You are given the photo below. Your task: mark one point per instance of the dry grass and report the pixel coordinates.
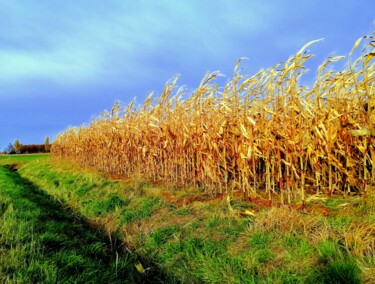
(285, 220)
(261, 135)
(360, 239)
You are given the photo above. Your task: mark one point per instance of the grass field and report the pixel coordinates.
(43, 241)
(185, 234)
(12, 159)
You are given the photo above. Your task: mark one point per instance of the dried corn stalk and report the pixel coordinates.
(261, 134)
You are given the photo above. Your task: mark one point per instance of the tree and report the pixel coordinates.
(47, 145)
(9, 149)
(17, 145)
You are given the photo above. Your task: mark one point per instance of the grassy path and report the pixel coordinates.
(41, 242)
(331, 241)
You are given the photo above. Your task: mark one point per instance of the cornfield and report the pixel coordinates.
(260, 135)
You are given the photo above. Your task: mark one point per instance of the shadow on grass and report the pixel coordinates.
(79, 252)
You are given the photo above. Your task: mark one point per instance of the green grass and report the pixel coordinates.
(103, 207)
(297, 246)
(341, 271)
(339, 267)
(204, 242)
(22, 158)
(43, 242)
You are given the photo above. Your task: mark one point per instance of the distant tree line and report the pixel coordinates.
(18, 148)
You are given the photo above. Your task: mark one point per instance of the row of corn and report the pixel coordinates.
(261, 135)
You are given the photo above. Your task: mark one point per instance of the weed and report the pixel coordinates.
(213, 222)
(85, 188)
(338, 266)
(340, 221)
(264, 255)
(3, 207)
(163, 235)
(328, 251)
(147, 206)
(298, 247)
(184, 211)
(101, 207)
(261, 240)
(127, 216)
(341, 271)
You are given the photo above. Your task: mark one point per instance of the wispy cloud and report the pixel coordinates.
(64, 51)
(84, 42)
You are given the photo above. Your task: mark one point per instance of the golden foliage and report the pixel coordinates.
(258, 134)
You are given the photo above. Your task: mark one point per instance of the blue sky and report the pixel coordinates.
(63, 62)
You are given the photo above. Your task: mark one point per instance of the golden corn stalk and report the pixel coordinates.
(261, 135)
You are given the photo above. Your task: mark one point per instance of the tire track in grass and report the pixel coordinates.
(42, 242)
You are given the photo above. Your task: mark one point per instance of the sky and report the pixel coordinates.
(63, 62)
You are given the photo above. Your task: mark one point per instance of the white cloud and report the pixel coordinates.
(112, 42)
(57, 66)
